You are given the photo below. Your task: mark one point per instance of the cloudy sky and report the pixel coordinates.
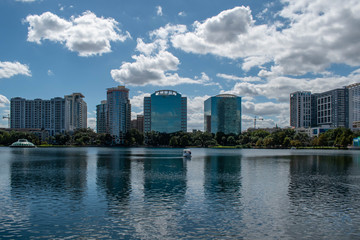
(259, 50)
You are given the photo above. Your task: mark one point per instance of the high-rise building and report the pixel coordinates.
(165, 111)
(101, 117)
(222, 113)
(38, 114)
(300, 109)
(119, 112)
(138, 123)
(51, 115)
(327, 109)
(75, 112)
(57, 116)
(332, 108)
(17, 112)
(354, 105)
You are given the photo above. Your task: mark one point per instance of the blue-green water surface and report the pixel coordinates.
(141, 193)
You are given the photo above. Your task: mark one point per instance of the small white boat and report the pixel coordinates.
(22, 143)
(187, 153)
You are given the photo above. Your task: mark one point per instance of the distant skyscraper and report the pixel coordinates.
(300, 109)
(75, 112)
(101, 117)
(222, 113)
(138, 123)
(165, 111)
(119, 112)
(354, 105)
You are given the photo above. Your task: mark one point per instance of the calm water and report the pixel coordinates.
(154, 194)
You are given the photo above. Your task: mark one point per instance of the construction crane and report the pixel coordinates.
(255, 118)
(8, 117)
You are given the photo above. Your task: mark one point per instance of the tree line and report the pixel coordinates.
(281, 138)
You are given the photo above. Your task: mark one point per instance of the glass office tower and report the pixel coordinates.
(119, 112)
(101, 117)
(222, 113)
(354, 105)
(165, 111)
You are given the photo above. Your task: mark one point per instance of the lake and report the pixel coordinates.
(147, 193)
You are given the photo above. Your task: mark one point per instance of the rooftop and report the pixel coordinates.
(166, 92)
(226, 95)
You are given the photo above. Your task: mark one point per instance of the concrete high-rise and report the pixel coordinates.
(75, 112)
(38, 114)
(119, 113)
(138, 123)
(332, 108)
(326, 109)
(222, 113)
(300, 109)
(165, 111)
(101, 117)
(354, 105)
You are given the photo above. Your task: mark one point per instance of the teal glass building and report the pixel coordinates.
(118, 113)
(222, 113)
(165, 111)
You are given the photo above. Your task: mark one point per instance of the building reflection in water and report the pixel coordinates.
(113, 175)
(45, 186)
(52, 172)
(145, 188)
(164, 194)
(216, 206)
(322, 188)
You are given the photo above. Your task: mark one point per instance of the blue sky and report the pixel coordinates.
(259, 50)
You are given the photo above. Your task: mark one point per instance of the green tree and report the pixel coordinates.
(184, 141)
(259, 142)
(174, 141)
(268, 141)
(219, 137)
(231, 140)
(287, 141)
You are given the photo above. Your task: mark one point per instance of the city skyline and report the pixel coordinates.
(261, 51)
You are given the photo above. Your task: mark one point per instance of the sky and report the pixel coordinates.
(259, 50)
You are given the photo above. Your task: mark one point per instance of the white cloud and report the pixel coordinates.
(9, 69)
(153, 70)
(279, 88)
(25, 0)
(86, 34)
(195, 112)
(91, 123)
(236, 78)
(167, 31)
(4, 101)
(264, 109)
(155, 65)
(319, 33)
(182, 14)
(138, 100)
(150, 48)
(231, 34)
(159, 11)
(50, 73)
